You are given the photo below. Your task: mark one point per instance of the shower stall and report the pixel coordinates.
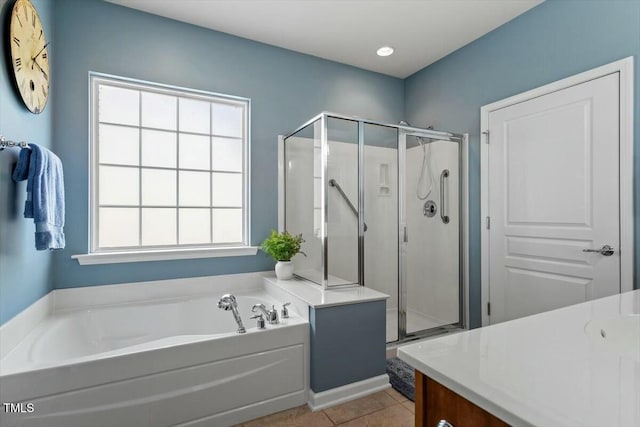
(380, 205)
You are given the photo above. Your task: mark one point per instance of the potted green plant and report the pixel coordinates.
(282, 247)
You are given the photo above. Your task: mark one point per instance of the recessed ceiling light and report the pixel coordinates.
(385, 51)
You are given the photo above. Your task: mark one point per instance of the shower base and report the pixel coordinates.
(416, 322)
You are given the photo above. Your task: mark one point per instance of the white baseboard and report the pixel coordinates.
(345, 393)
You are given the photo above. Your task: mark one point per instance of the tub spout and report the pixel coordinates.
(229, 302)
(270, 315)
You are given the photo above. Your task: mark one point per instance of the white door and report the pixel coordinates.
(554, 193)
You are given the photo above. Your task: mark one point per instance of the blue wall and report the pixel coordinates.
(24, 272)
(552, 41)
(286, 89)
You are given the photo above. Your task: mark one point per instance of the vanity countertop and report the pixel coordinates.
(575, 366)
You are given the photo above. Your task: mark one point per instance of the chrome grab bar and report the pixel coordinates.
(334, 183)
(443, 175)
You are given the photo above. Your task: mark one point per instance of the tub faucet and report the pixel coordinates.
(270, 315)
(229, 302)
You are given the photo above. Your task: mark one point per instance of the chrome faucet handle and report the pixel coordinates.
(260, 322)
(273, 316)
(285, 312)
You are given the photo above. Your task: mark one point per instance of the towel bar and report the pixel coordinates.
(4, 143)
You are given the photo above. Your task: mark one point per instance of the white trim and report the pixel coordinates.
(484, 213)
(625, 68)
(281, 188)
(246, 174)
(464, 146)
(163, 255)
(626, 175)
(93, 171)
(345, 393)
(16, 328)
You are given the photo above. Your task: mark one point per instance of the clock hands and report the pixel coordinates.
(43, 72)
(38, 54)
(36, 62)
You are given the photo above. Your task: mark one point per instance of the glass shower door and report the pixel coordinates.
(303, 191)
(431, 245)
(321, 199)
(342, 202)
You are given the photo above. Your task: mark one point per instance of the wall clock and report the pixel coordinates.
(29, 55)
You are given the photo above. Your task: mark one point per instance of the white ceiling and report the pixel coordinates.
(349, 31)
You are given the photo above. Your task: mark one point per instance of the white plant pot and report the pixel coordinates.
(284, 270)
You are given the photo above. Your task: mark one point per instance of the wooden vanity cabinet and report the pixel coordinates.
(435, 402)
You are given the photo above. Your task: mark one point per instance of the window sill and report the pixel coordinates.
(163, 255)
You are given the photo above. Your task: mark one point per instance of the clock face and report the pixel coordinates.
(29, 56)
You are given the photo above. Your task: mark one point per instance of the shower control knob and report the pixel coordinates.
(429, 209)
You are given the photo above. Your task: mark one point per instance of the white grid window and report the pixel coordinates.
(169, 167)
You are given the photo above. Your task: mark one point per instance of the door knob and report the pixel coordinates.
(606, 250)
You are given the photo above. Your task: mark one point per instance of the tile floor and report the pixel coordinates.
(383, 409)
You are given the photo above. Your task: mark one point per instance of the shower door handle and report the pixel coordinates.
(443, 175)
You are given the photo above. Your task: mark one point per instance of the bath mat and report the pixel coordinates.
(402, 377)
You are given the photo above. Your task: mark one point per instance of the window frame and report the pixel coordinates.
(164, 252)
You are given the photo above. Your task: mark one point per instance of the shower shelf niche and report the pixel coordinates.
(383, 188)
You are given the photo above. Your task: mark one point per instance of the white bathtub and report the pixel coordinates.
(175, 361)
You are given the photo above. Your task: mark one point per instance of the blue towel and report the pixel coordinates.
(45, 194)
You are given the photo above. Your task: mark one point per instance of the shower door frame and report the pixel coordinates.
(461, 140)
(402, 132)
